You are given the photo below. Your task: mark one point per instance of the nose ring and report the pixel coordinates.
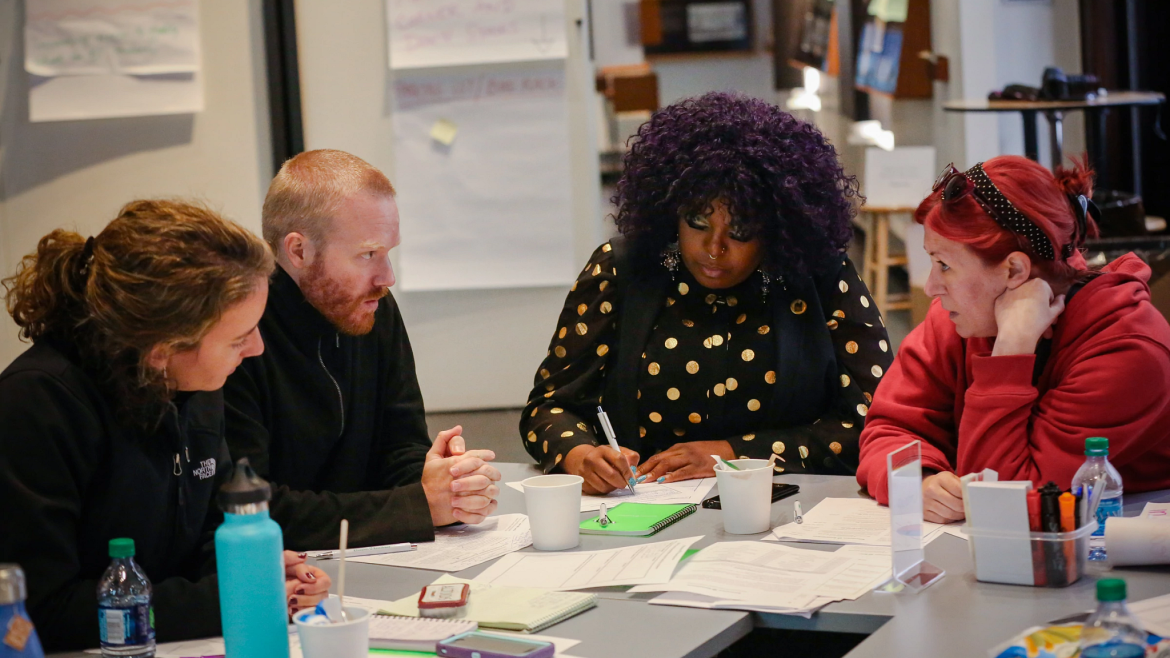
(710, 256)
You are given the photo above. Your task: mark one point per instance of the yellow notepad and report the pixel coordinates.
(524, 609)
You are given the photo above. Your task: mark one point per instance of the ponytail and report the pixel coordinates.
(162, 273)
(47, 293)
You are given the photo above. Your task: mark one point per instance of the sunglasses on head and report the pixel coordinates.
(955, 184)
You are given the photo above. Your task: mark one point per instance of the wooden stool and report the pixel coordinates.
(875, 270)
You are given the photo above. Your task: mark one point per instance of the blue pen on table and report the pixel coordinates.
(612, 438)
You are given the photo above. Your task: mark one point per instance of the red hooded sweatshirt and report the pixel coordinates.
(1108, 374)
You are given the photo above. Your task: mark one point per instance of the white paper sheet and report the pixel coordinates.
(846, 521)
(423, 33)
(1160, 511)
(687, 491)
(462, 547)
(492, 209)
(90, 59)
(630, 565)
(98, 37)
(770, 578)
(1154, 613)
(690, 600)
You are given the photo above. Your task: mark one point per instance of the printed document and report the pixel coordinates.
(631, 565)
(687, 491)
(846, 521)
(768, 578)
(462, 547)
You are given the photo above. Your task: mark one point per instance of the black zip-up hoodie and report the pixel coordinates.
(335, 422)
(72, 477)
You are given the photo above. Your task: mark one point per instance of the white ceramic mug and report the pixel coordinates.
(554, 510)
(745, 496)
(350, 639)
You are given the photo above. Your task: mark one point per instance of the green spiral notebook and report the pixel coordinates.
(637, 519)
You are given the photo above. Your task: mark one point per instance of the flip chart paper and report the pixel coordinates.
(493, 208)
(95, 37)
(425, 33)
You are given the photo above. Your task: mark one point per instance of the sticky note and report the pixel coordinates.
(444, 131)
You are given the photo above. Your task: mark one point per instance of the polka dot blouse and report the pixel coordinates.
(707, 371)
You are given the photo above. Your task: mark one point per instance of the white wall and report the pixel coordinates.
(77, 174)
(474, 349)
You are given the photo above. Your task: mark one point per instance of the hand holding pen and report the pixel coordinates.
(611, 436)
(603, 469)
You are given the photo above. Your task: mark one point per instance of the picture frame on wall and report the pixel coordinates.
(696, 26)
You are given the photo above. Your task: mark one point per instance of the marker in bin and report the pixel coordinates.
(612, 438)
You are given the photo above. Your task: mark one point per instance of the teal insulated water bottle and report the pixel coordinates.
(249, 557)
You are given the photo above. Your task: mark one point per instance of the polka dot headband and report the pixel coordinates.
(955, 184)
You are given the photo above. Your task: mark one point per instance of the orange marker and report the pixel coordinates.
(1068, 516)
(1068, 523)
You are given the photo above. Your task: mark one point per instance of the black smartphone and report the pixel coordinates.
(779, 491)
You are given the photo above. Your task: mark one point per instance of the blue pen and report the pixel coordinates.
(612, 438)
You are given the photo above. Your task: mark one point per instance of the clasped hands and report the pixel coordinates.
(605, 470)
(460, 484)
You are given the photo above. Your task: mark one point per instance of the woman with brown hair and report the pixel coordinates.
(113, 419)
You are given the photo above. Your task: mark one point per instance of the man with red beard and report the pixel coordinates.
(332, 410)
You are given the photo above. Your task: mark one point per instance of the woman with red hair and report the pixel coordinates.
(1024, 352)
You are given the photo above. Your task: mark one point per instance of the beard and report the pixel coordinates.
(340, 306)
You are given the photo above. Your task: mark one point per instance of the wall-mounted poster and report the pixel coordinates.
(681, 26)
(483, 177)
(879, 57)
(92, 59)
(422, 33)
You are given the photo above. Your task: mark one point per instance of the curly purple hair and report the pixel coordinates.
(779, 177)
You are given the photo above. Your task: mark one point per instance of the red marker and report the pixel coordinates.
(1034, 511)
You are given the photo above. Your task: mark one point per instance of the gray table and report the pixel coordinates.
(956, 617)
(966, 616)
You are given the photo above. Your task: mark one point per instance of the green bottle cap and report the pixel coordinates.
(1097, 446)
(122, 547)
(1111, 589)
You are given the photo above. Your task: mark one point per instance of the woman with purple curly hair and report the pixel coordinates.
(727, 319)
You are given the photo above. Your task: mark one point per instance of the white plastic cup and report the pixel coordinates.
(554, 510)
(746, 496)
(350, 639)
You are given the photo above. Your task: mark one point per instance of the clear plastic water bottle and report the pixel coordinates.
(18, 638)
(1097, 471)
(1112, 631)
(125, 614)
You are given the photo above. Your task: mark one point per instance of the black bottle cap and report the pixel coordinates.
(243, 488)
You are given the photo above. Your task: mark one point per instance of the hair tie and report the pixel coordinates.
(86, 256)
(1083, 208)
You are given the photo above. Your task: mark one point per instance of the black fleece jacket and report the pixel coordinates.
(72, 477)
(335, 422)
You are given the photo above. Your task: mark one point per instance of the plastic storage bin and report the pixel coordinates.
(1039, 559)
